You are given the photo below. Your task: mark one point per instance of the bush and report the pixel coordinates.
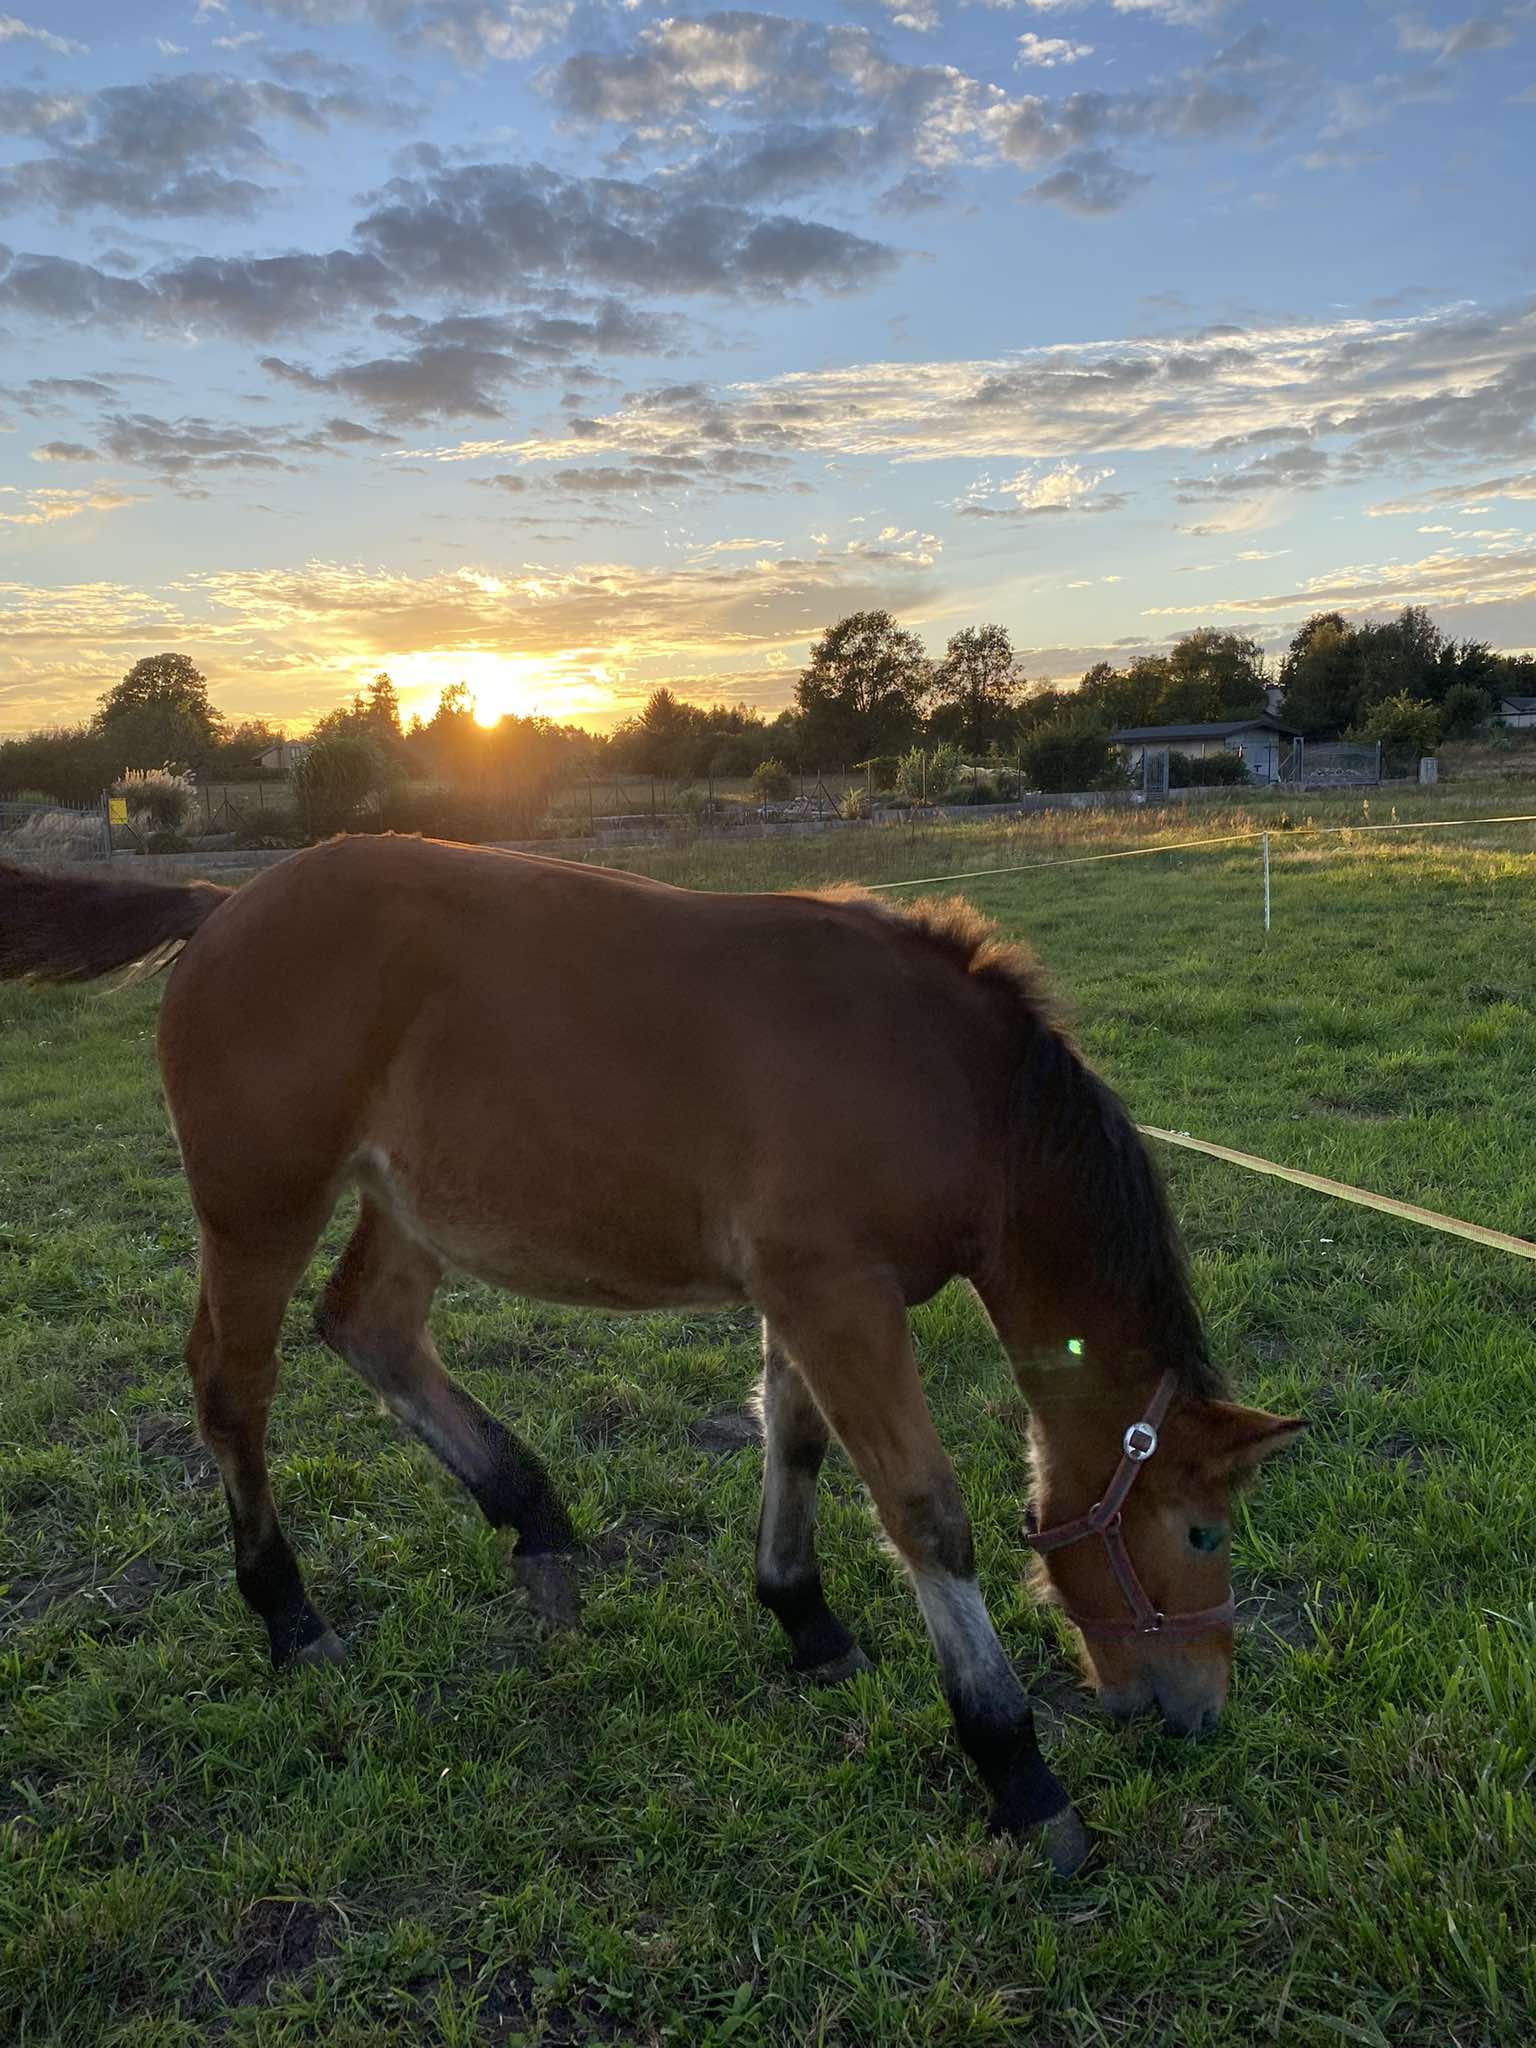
(1464, 708)
(1402, 721)
(1071, 753)
(334, 781)
(772, 783)
(1206, 771)
(157, 803)
(166, 842)
(928, 775)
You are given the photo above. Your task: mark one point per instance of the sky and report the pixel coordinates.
(572, 347)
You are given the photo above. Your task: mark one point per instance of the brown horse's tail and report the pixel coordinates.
(79, 927)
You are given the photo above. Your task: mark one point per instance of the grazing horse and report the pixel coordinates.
(592, 1088)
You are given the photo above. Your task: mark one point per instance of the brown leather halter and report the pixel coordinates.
(1103, 1521)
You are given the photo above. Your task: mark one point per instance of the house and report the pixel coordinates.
(1261, 743)
(285, 756)
(1517, 711)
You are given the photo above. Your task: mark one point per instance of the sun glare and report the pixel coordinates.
(506, 685)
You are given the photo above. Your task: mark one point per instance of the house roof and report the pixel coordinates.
(1519, 703)
(1227, 729)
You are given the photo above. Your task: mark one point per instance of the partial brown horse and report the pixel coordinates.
(591, 1088)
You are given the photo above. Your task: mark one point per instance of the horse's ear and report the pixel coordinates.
(1235, 1441)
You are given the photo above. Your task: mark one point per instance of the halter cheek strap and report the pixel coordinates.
(1104, 1521)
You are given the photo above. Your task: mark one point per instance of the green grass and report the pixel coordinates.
(649, 1833)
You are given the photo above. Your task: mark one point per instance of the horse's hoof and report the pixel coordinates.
(1066, 1842)
(836, 1669)
(325, 1649)
(551, 1587)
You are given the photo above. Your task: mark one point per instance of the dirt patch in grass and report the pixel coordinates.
(171, 1440)
(277, 1941)
(1411, 1454)
(512, 2010)
(125, 1591)
(727, 1431)
(1292, 1615)
(644, 1543)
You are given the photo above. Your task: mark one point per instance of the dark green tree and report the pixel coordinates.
(862, 691)
(976, 685)
(159, 715)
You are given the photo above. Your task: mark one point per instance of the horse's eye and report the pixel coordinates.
(1207, 1539)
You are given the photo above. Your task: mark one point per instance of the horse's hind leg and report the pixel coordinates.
(232, 1356)
(374, 1314)
(788, 1579)
(853, 1346)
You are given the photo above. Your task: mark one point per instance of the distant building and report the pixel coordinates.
(285, 756)
(1259, 742)
(1517, 711)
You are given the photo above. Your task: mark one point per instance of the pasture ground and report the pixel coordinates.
(648, 1832)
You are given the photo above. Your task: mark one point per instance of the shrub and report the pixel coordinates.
(165, 842)
(157, 803)
(928, 774)
(1402, 721)
(1070, 753)
(772, 782)
(335, 779)
(1206, 771)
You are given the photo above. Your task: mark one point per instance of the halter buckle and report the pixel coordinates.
(1139, 1442)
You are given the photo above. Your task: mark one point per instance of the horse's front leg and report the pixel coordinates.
(853, 1347)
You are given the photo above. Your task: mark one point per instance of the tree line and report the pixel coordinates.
(868, 694)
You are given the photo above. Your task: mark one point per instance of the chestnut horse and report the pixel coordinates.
(591, 1088)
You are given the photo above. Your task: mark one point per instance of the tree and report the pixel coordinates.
(1464, 709)
(71, 764)
(1212, 675)
(373, 715)
(159, 715)
(1124, 697)
(978, 682)
(862, 690)
(1322, 674)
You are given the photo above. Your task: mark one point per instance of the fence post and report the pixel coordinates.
(106, 825)
(1266, 881)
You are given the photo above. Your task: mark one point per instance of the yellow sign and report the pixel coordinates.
(117, 810)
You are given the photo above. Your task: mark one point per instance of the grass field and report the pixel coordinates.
(649, 1833)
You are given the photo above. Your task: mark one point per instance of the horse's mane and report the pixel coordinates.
(1067, 1122)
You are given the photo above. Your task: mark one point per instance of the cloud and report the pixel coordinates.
(169, 147)
(182, 452)
(1048, 51)
(1455, 39)
(1499, 574)
(451, 226)
(1040, 491)
(1090, 181)
(1371, 392)
(12, 31)
(815, 104)
(1462, 495)
(50, 507)
(470, 31)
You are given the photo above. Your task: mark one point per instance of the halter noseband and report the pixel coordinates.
(1103, 1521)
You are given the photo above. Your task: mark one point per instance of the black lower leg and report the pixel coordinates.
(268, 1576)
(514, 1491)
(788, 1579)
(1003, 1747)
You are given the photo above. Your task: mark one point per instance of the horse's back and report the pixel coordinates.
(583, 1068)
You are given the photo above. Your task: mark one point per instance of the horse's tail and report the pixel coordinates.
(78, 927)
